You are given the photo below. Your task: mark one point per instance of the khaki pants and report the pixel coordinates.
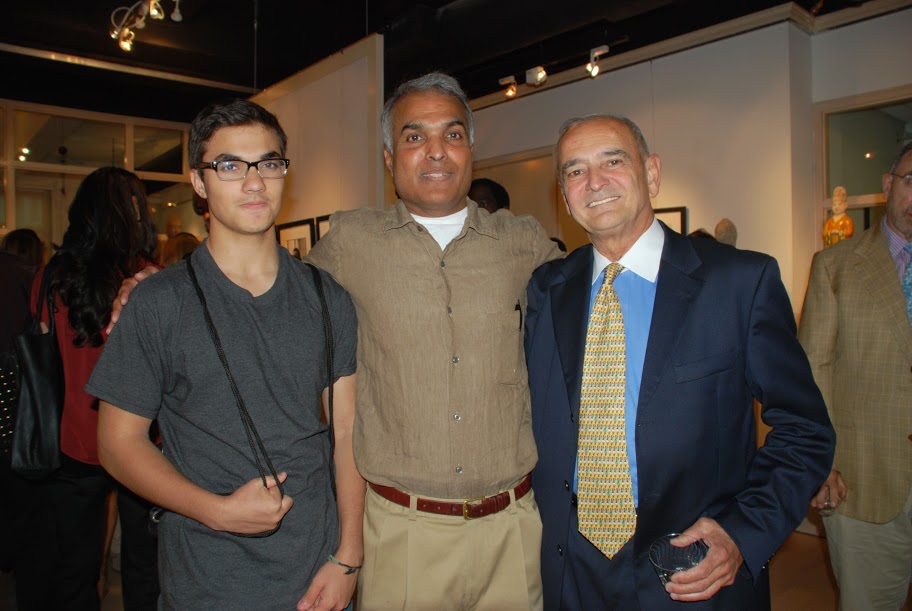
(415, 560)
(872, 562)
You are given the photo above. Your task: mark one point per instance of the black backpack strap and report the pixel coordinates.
(327, 334)
(253, 437)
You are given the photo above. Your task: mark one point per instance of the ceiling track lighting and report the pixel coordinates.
(125, 20)
(593, 67)
(536, 76)
(510, 83)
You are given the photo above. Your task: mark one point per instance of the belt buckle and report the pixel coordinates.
(466, 506)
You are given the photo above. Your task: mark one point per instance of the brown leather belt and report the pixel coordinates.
(469, 509)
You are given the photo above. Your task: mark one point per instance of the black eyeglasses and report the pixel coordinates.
(236, 169)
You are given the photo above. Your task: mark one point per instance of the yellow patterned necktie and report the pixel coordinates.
(607, 515)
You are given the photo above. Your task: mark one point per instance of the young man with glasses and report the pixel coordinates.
(233, 537)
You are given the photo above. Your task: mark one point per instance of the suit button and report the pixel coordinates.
(566, 485)
(560, 551)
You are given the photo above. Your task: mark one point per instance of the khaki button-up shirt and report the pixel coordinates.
(443, 398)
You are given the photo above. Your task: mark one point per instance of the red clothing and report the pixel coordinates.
(79, 424)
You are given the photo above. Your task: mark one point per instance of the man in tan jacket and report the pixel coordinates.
(856, 329)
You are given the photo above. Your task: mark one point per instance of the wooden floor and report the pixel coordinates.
(800, 575)
(800, 578)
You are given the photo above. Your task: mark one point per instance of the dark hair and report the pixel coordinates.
(497, 190)
(231, 113)
(25, 244)
(560, 244)
(435, 82)
(701, 233)
(109, 236)
(179, 245)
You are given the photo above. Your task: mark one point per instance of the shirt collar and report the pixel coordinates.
(642, 259)
(477, 220)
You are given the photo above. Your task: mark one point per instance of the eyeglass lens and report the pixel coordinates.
(236, 169)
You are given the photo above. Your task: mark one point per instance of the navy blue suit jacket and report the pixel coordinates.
(722, 334)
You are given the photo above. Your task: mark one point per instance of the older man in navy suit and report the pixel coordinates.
(706, 329)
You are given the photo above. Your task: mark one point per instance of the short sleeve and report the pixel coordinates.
(344, 328)
(131, 371)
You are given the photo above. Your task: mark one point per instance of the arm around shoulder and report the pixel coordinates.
(123, 294)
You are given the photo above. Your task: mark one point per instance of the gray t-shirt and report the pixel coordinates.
(160, 362)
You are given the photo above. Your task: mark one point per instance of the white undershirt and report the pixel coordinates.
(443, 228)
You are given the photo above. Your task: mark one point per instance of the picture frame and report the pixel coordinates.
(322, 226)
(297, 234)
(675, 218)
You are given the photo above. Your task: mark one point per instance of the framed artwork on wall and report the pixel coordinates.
(675, 218)
(322, 225)
(298, 235)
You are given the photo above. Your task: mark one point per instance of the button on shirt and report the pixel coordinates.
(443, 399)
(636, 290)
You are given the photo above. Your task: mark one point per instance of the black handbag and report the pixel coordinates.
(35, 451)
(9, 394)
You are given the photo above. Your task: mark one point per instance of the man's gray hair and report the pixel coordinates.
(642, 147)
(436, 82)
(902, 153)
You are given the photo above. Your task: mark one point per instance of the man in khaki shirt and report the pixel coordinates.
(443, 431)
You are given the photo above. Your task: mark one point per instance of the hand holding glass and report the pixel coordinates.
(668, 559)
(828, 508)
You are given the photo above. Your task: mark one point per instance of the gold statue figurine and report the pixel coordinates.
(839, 226)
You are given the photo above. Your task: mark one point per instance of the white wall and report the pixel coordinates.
(805, 230)
(718, 115)
(863, 57)
(732, 121)
(331, 113)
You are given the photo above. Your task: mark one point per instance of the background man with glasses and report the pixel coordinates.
(856, 327)
(265, 309)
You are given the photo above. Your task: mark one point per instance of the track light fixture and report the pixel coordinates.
(536, 76)
(125, 20)
(176, 13)
(592, 67)
(510, 83)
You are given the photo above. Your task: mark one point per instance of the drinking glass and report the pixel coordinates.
(668, 559)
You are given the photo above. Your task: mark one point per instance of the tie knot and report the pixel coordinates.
(612, 272)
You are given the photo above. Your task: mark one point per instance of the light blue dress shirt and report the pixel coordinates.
(636, 290)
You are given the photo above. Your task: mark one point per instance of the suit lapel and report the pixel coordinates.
(570, 312)
(677, 286)
(880, 281)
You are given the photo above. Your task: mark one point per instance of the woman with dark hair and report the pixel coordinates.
(110, 236)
